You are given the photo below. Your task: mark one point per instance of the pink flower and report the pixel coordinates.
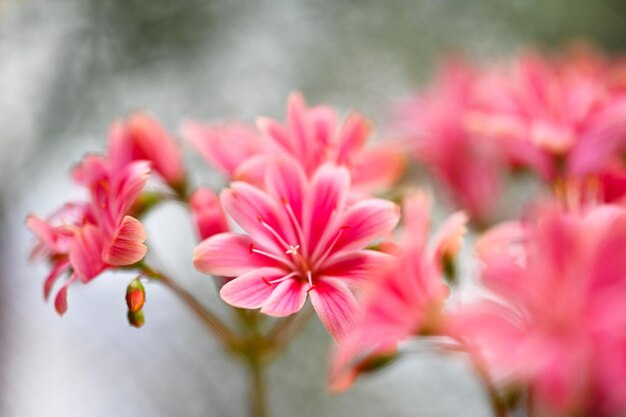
(84, 239)
(208, 215)
(558, 319)
(140, 137)
(408, 299)
(312, 136)
(437, 129)
(559, 115)
(302, 238)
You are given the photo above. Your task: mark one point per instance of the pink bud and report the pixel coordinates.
(135, 296)
(207, 212)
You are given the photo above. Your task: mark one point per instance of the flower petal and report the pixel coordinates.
(358, 266)
(60, 301)
(258, 215)
(378, 167)
(365, 221)
(86, 252)
(288, 298)
(286, 181)
(127, 246)
(251, 290)
(58, 268)
(335, 305)
(228, 255)
(327, 195)
(352, 136)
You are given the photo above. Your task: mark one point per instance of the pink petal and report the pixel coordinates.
(335, 305)
(127, 246)
(253, 170)
(366, 221)
(288, 298)
(257, 213)
(324, 122)
(153, 143)
(126, 187)
(447, 242)
(60, 301)
(352, 136)
(298, 124)
(251, 290)
(228, 255)
(86, 252)
(286, 181)
(57, 270)
(378, 167)
(327, 196)
(416, 218)
(358, 266)
(208, 215)
(274, 130)
(225, 146)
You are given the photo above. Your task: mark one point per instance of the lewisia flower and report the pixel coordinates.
(84, 239)
(407, 301)
(140, 137)
(313, 136)
(301, 238)
(437, 130)
(558, 320)
(561, 116)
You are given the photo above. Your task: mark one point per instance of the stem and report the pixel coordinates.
(283, 333)
(497, 405)
(210, 321)
(258, 390)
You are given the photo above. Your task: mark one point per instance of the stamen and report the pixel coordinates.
(293, 249)
(285, 278)
(309, 277)
(272, 231)
(270, 255)
(295, 223)
(328, 250)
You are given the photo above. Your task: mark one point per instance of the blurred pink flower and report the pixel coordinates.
(562, 116)
(234, 148)
(312, 136)
(558, 319)
(407, 300)
(302, 238)
(208, 215)
(84, 239)
(140, 137)
(436, 128)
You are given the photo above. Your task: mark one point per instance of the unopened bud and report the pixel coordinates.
(136, 319)
(135, 296)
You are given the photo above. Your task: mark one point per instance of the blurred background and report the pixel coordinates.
(70, 67)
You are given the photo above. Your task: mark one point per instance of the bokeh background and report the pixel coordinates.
(70, 67)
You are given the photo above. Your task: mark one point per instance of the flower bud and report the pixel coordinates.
(135, 296)
(136, 319)
(208, 215)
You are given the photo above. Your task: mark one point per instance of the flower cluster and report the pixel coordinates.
(306, 217)
(562, 117)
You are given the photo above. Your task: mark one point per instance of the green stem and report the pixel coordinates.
(283, 333)
(258, 389)
(226, 336)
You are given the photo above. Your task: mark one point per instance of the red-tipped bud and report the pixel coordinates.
(207, 212)
(135, 296)
(136, 319)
